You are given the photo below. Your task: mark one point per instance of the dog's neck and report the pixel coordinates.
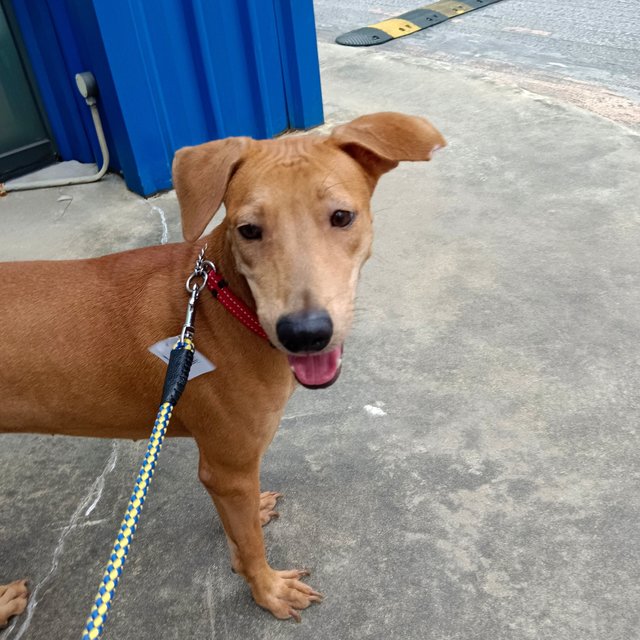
(220, 253)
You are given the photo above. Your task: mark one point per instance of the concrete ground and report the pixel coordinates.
(474, 474)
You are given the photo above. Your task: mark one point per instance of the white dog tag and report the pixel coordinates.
(200, 364)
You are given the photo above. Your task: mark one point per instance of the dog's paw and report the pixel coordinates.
(268, 501)
(284, 594)
(13, 600)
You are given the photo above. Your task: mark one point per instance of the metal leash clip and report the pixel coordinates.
(201, 270)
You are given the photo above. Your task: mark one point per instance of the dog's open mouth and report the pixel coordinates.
(317, 370)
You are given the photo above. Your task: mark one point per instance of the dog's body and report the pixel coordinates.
(75, 334)
(91, 373)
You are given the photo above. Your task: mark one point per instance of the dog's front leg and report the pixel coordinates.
(236, 493)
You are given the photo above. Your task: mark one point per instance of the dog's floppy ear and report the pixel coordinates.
(381, 140)
(200, 177)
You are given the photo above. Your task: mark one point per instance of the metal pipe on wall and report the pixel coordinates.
(89, 90)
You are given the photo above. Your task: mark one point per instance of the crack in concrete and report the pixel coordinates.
(163, 220)
(66, 200)
(87, 504)
(88, 523)
(296, 416)
(210, 601)
(100, 480)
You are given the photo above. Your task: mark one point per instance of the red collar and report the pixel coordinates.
(219, 287)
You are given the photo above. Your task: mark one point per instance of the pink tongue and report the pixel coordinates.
(316, 369)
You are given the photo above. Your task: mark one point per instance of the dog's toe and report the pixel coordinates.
(286, 595)
(13, 600)
(268, 501)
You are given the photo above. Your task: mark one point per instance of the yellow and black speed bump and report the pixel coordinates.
(409, 22)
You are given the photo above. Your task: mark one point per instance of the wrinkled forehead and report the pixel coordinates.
(305, 167)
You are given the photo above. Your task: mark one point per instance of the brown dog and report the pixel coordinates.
(297, 231)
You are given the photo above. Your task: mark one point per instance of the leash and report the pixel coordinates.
(180, 361)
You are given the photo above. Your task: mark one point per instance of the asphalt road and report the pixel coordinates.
(585, 51)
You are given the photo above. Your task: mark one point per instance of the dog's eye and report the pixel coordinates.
(250, 231)
(341, 218)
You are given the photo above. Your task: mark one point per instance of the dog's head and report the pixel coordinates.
(299, 223)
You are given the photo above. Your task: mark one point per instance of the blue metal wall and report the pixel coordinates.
(172, 73)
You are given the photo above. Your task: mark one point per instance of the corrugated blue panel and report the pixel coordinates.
(56, 85)
(174, 73)
(62, 38)
(301, 70)
(83, 32)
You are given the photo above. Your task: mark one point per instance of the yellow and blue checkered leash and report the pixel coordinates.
(180, 362)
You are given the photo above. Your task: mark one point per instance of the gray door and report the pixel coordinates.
(25, 143)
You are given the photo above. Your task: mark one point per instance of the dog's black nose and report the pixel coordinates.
(305, 331)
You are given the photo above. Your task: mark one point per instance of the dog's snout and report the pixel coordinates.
(305, 331)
